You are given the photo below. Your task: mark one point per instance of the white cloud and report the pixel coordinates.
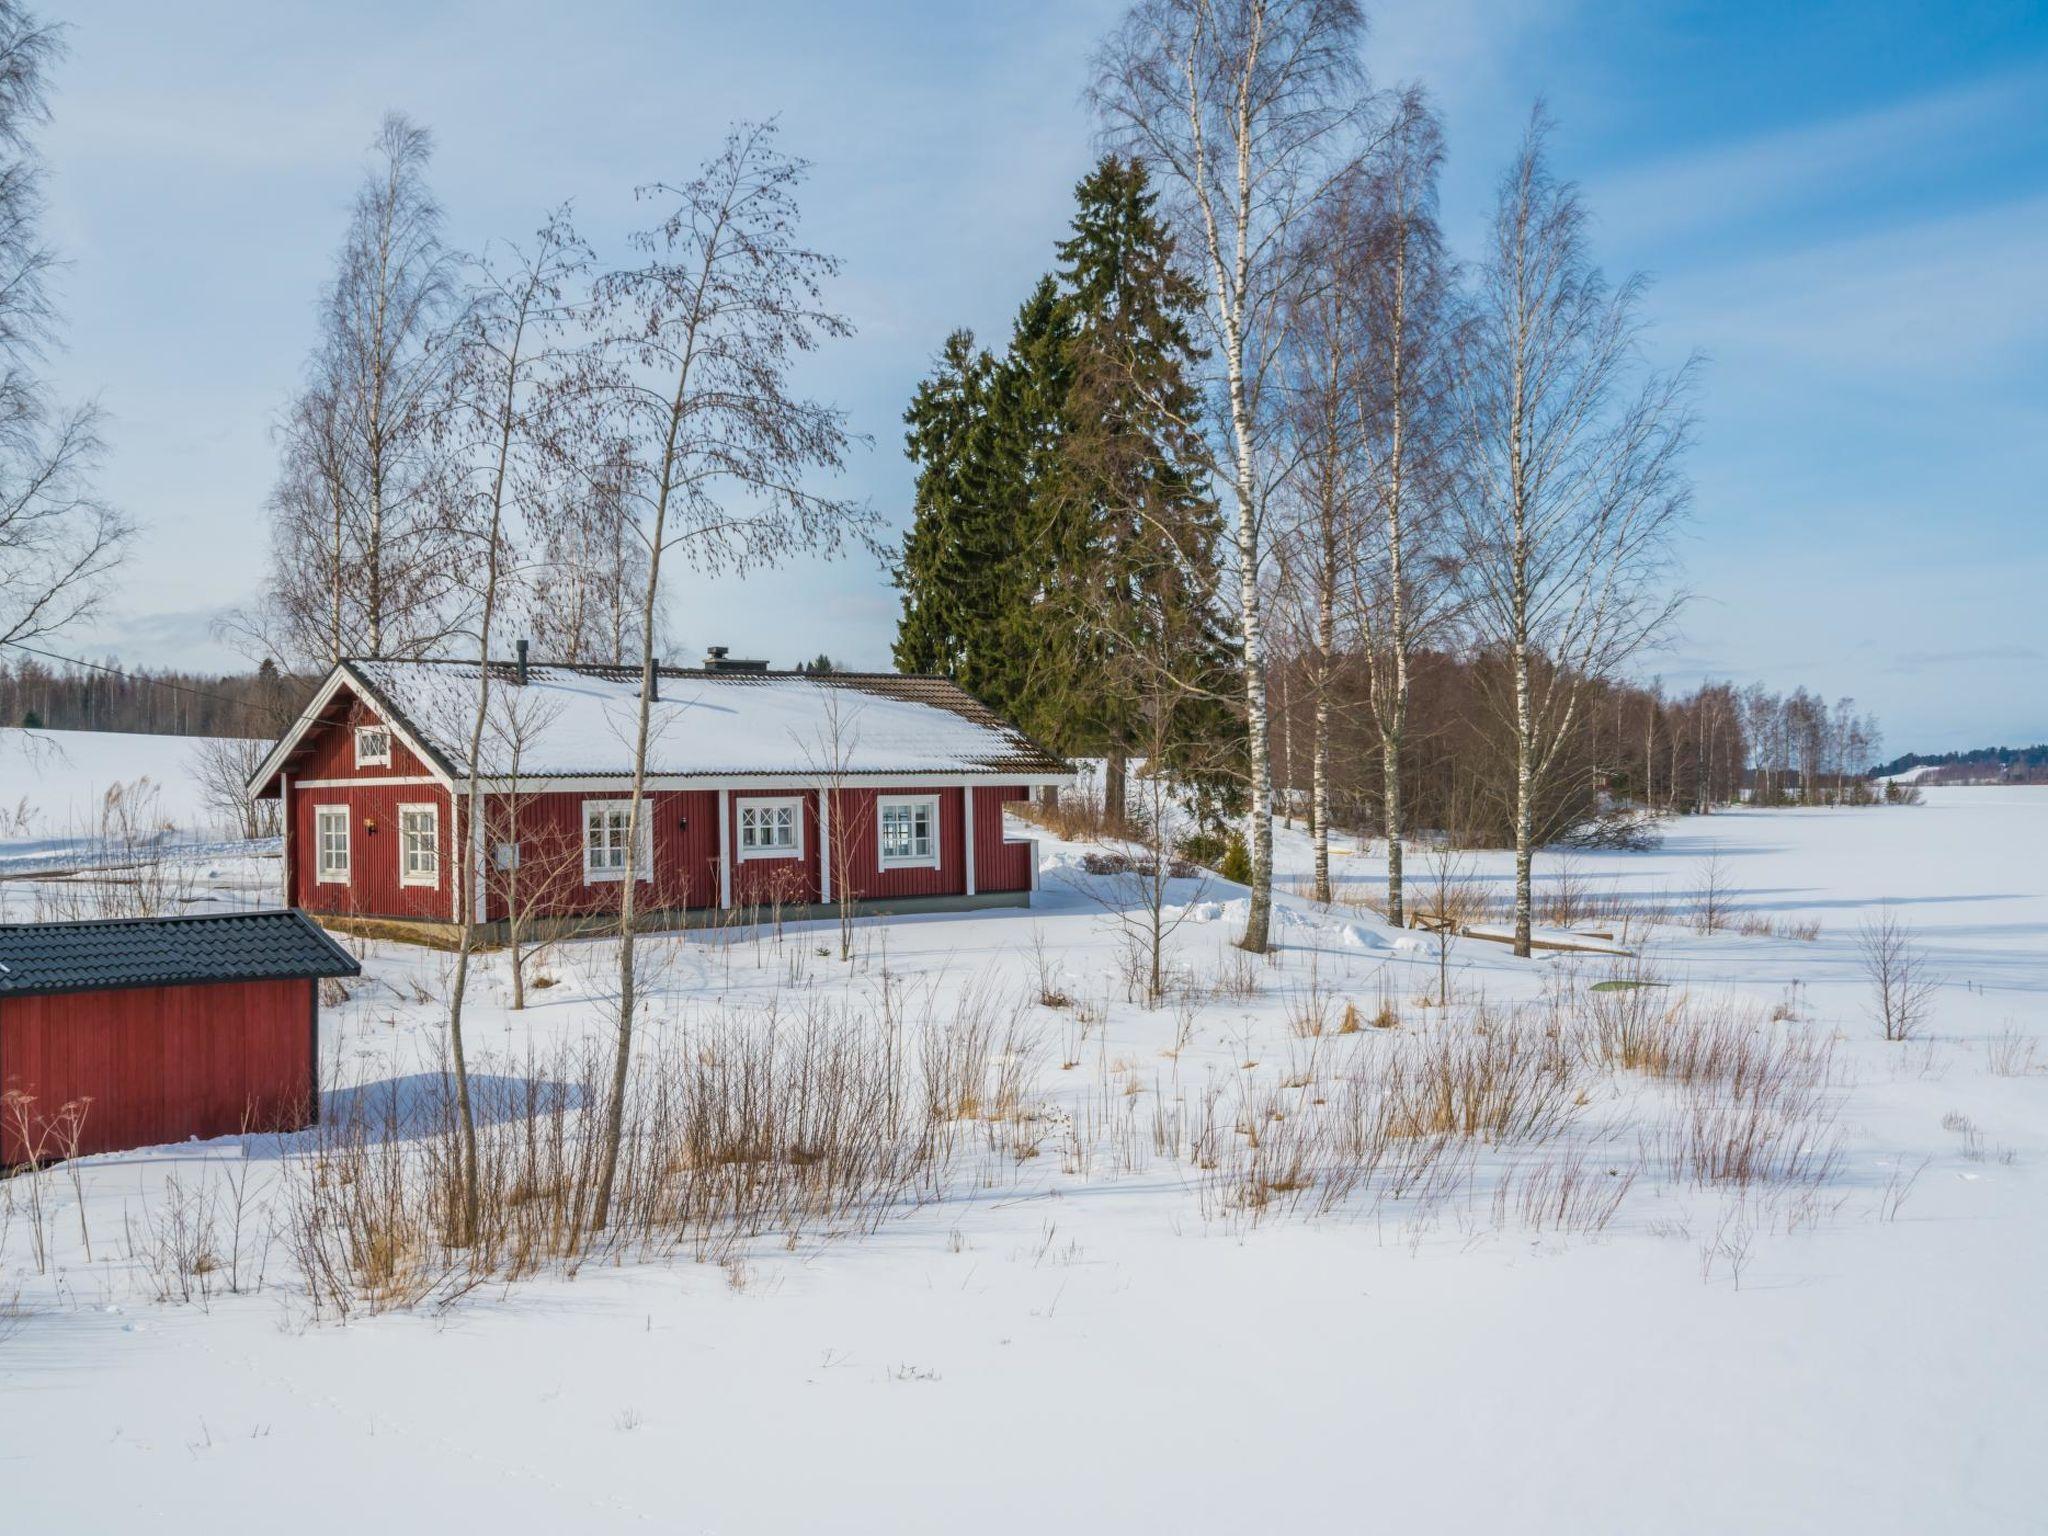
(1657, 202)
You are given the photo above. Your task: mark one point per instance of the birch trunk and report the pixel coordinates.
(615, 1107)
(472, 861)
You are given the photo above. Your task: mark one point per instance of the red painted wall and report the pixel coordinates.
(162, 1063)
(331, 753)
(373, 889)
(1000, 865)
(683, 828)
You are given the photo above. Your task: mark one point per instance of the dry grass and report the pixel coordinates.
(1761, 925)
(1311, 1011)
(1075, 818)
(2009, 1053)
(1566, 1192)
(1401, 1120)
(813, 1121)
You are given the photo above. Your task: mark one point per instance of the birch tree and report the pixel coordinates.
(505, 430)
(1246, 112)
(1573, 483)
(1403, 592)
(703, 334)
(360, 491)
(59, 542)
(1324, 495)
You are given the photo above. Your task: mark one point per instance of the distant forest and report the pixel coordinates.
(1983, 765)
(105, 698)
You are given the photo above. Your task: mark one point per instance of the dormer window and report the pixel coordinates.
(373, 746)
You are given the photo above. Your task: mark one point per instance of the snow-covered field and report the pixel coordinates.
(1102, 1337)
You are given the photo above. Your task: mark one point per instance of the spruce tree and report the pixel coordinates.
(1133, 529)
(1062, 526)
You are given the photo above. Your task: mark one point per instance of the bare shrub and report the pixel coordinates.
(1641, 1026)
(1711, 904)
(1901, 984)
(1310, 1011)
(1075, 817)
(1453, 902)
(980, 1065)
(2009, 1053)
(129, 863)
(221, 767)
(1760, 925)
(1400, 1121)
(1566, 898)
(183, 1251)
(1762, 1131)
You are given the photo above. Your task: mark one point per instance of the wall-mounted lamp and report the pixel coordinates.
(370, 824)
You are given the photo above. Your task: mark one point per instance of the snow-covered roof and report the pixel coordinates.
(579, 722)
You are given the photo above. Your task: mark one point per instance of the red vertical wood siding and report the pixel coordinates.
(860, 849)
(682, 829)
(771, 881)
(373, 888)
(162, 1063)
(999, 865)
(330, 751)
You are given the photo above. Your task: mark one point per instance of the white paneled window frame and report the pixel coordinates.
(604, 841)
(419, 844)
(373, 746)
(331, 860)
(907, 831)
(768, 826)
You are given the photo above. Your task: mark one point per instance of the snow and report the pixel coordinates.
(703, 724)
(54, 796)
(1098, 1349)
(52, 781)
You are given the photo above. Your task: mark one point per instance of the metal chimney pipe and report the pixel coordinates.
(522, 664)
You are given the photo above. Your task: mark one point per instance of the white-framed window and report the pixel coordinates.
(605, 827)
(373, 746)
(770, 829)
(909, 836)
(330, 844)
(419, 845)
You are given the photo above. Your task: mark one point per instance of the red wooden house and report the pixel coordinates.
(797, 790)
(130, 1032)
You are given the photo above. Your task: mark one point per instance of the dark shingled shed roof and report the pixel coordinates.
(39, 958)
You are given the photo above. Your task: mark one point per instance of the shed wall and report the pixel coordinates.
(160, 1064)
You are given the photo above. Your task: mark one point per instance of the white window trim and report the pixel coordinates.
(431, 880)
(383, 761)
(743, 803)
(643, 856)
(322, 875)
(930, 860)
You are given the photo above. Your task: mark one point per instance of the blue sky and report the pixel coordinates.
(1845, 207)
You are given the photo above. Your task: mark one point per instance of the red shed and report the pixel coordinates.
(162, 1028)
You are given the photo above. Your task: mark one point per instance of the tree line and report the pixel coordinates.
(1981, 765)
(102, 696)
